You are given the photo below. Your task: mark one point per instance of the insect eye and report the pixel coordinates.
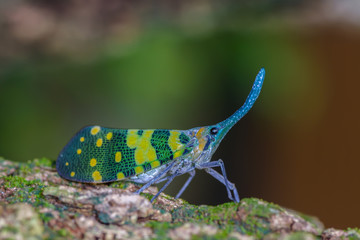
(214, 131)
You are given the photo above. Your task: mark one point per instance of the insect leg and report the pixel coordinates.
(192, 175)
(152, 181)
(170, 179)
(223, 179)
(219, 163)
(162, 179)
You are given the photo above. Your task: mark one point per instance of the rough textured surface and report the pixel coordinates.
(36, 203)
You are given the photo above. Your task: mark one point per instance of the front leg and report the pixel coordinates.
(230, 187)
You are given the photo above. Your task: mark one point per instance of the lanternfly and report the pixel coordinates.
(150, 156)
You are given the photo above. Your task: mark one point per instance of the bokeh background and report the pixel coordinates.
(183, 64)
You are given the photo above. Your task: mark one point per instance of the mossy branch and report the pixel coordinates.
(36, 204)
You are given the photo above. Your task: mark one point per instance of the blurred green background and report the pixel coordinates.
(184, 64)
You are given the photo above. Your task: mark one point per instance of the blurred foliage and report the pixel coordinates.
(120, 64)
(166, 80)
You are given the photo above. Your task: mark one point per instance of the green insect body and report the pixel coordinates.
(97, 154)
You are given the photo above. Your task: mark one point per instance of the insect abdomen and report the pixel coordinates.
(98, 154)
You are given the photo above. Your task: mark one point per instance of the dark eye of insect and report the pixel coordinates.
(214, 131)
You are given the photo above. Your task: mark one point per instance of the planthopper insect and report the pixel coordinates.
(150, 156)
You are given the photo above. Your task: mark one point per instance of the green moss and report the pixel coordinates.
(46, 217)
(256, 222)
(119, 184)
(161, 228)
(227, 216)
(221, 214)
(353, 233)
(63, 233)
(34, 166)
(259, 207)
(315, 222)
(25, 169)
(10, 229)
(168, 197)
(357, 230)
(148, 196)
(298, 236)
(203, 237)
(254, 227)
(224, 232)
(20, 182)
(250, 217)
(44, 162)
(29, 191)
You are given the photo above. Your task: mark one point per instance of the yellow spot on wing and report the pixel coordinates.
(96, 176)
(99, 142)
(151, 154)
(82, 139)
(72, 174)
(93, 162)
(109, 136)
(178, 153)
(155, 164)
(174, 141)
(144, 152)
(139, 156)
(117, 156)
(144, 142)
(139, 169)
(78, 151)
(120, 176)
(131, 139)
(94, 130)
(66, 164)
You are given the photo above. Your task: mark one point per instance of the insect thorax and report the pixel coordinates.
(181, 166)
